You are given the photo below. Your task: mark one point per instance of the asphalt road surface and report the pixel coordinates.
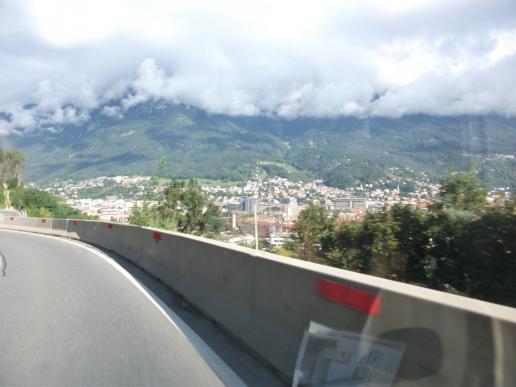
(69, 317)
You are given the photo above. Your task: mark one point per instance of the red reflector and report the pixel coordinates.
(75, 222)
(110, 225)
(354, 298)
(43, 220)
(156, 236)
(12, 217)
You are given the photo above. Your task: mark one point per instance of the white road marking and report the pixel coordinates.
(225, 373)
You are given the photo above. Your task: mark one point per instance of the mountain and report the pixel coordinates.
(344, 151)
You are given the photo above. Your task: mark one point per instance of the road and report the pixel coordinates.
(68, 316)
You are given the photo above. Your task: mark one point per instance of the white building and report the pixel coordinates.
(278, 240)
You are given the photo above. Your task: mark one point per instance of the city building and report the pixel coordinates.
(278, 239)
(247, 203)
(347, 204)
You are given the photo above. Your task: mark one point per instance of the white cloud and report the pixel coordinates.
(290, 58)
(112, 111)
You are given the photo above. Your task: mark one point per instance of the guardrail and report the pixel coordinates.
(314, 323)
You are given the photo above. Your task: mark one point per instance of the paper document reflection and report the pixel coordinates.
(329, 357)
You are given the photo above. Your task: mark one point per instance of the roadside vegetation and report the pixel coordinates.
(32, 201)
(184, 208)
(460, 245)
(41, 204)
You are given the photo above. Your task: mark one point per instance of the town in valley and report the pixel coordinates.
(278, 201)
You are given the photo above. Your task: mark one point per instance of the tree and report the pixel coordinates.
(462, 191)
(490, 255)
(378, 243)
(346, 253)
(411, 235)
(141, 215)
(314, 232)
(460, 245)
(11, 163)
(444, 259)
(156, 179)
(463, 201)
(185, 208)
(42, 204)
(194, 213)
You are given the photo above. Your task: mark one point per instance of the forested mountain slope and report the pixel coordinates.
(344, 151)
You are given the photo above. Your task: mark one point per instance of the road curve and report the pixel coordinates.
(68, 317)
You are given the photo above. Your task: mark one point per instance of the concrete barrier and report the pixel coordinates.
(267, 302)
(40, 225)
(100, 234)
(129, 240)
(216, 280)
(73, 228)
(88, 231)
(59, 227)
(122, 239)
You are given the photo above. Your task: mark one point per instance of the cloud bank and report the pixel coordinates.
(61, 60)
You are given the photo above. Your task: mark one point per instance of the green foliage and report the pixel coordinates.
(462, 191)
(353, 173)
(310, 226)
(187, 204)
(314, 228)
(284, 170)
(346, 254)
(12, 183)
(410, 233)
(490, 255)
(343, 151)
(378, 242)
(460, 245)
(185, 208)
(11, 165)
(143, 215)
(39, 203)
(156, 179)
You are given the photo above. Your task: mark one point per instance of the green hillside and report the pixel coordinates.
(343, 151)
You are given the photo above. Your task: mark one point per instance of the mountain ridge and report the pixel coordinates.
(344, 151)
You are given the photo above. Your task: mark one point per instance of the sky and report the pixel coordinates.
(62, 60)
